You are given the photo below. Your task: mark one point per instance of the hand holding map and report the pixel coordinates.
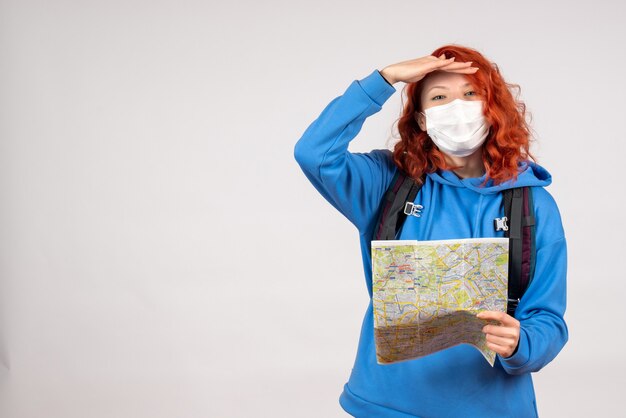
(427, 294)
(503, 338)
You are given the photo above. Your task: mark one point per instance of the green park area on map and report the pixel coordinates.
(427, 294)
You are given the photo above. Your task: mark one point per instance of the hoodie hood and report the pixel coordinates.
(530, 174)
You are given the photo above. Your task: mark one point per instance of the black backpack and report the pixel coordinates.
(518, 225)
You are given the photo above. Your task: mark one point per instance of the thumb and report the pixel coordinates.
(502, 317)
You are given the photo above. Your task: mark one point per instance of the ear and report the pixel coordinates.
(421, 120)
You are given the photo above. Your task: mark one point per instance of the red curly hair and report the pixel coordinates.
(507, 143)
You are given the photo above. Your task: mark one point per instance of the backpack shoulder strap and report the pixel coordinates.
(391, 214)
(519, 210)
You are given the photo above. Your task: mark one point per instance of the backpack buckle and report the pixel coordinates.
(501, 224)
(413, 210)
(511, 305)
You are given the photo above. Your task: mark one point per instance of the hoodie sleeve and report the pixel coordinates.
(353, 183)
(543, 331)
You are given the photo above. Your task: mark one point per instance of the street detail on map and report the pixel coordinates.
(427, 294)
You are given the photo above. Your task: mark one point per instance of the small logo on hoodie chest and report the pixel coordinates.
(412, 209)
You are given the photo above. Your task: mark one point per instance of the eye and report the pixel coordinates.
(438, 97)
(471, 93)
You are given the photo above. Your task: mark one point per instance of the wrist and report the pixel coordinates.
(387, 77)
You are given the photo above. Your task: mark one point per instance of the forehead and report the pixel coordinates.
(445, 79)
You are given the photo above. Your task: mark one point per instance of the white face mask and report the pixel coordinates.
(458, 128)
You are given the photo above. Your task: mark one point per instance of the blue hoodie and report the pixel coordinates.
(456, 382)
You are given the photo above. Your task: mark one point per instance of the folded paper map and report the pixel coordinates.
(427, 294)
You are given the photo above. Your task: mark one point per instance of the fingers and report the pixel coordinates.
(501, 338)
(440, 62)
(502, 317)
(449, 65)
(460, 67)
(503, 346)
(500, 331)
(504, 351)
(470, 70)
(416, 69)
(505, 342)
(457, 64)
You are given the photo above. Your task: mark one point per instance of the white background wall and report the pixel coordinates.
(161, 253)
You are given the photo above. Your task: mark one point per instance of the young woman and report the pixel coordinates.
(466, 136)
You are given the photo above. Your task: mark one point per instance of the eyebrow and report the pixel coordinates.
(445, 88)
